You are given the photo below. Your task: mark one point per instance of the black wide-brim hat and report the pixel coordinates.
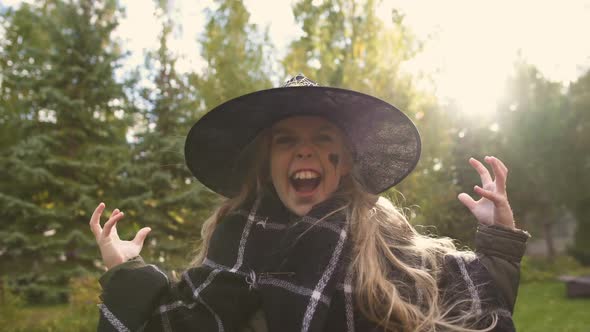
(385, 143)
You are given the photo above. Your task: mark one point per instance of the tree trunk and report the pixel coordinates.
(2, 291)
(549, 240)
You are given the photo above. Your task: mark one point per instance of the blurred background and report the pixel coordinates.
(96, 97)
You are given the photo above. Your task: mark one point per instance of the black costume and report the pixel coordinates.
(263, 258)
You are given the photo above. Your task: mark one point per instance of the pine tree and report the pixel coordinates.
(67, 120)
(159, 191)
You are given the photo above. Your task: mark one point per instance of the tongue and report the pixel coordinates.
(305, 185)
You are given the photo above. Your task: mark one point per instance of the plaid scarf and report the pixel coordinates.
(264, 257)
(293, 268)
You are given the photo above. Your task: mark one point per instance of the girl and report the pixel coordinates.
(305, 243)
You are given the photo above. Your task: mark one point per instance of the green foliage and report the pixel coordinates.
(532, 140)
(543, 137)
(345, 44)
(237, 54)
(10, 304)
(157, 189)
(65, 119)
(81, 314)
(541, 269)
(577, 133)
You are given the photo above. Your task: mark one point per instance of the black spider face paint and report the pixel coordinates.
(334, 159)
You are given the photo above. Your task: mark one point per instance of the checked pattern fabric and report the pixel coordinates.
(262, 258)
(292, 268)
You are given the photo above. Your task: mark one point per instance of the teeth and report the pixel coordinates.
(305, 175)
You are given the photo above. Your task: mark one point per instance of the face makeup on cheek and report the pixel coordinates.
(334, 159)
(305, 161)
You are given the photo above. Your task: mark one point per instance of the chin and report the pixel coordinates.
(299, 208)
(301, 211)
(302, 205)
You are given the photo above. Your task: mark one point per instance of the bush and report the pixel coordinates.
(542, 269)
(581, 255)
(11, 304)
(80, 314)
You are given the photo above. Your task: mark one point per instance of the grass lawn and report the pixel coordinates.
(51, 319)
(543, 306)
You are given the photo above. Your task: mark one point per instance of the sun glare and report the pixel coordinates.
(473, 45)
(470, 47)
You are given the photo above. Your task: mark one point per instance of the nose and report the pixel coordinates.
(304, 151)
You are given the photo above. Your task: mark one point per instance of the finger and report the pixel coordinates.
(483, 172)
(496, 198)
(95, 220)
(111, 223)
(503, 166)
(115, 211)
(495, 161)
(141, 235)
(499, 175)
(467, 201)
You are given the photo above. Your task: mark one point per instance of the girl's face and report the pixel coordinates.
(307, 158)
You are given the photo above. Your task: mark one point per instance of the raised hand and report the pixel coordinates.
(115, 251)
(493, 207)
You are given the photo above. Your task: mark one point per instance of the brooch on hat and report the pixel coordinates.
(299, 80)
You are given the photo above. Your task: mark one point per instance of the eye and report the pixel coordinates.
(284, 140)
(324, 138)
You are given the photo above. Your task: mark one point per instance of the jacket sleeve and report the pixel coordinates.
(484, 284)
(500, 250)
(139, 297)
(129, 294)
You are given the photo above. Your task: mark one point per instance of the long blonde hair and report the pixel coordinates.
(381, 235)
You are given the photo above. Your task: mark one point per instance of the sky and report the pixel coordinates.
(470, 50)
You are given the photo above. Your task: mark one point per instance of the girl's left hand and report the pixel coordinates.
(492, 208)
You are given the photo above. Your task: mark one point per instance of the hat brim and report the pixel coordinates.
(385, 142)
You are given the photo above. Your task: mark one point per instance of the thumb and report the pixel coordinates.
(466, 200)
(141, 235)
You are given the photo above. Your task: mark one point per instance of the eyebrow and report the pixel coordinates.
(279, 131)
(327, 128)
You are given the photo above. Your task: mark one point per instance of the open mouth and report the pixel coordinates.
(305, 181)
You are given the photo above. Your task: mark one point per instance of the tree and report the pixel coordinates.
(237, 54)
(577, 135)
(345, 44)
(158, 190)
(532, 123)
(66, 115)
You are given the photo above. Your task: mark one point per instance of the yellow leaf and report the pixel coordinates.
(151, 202)
(178, 218)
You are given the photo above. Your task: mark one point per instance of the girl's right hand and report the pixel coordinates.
(114, 251)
